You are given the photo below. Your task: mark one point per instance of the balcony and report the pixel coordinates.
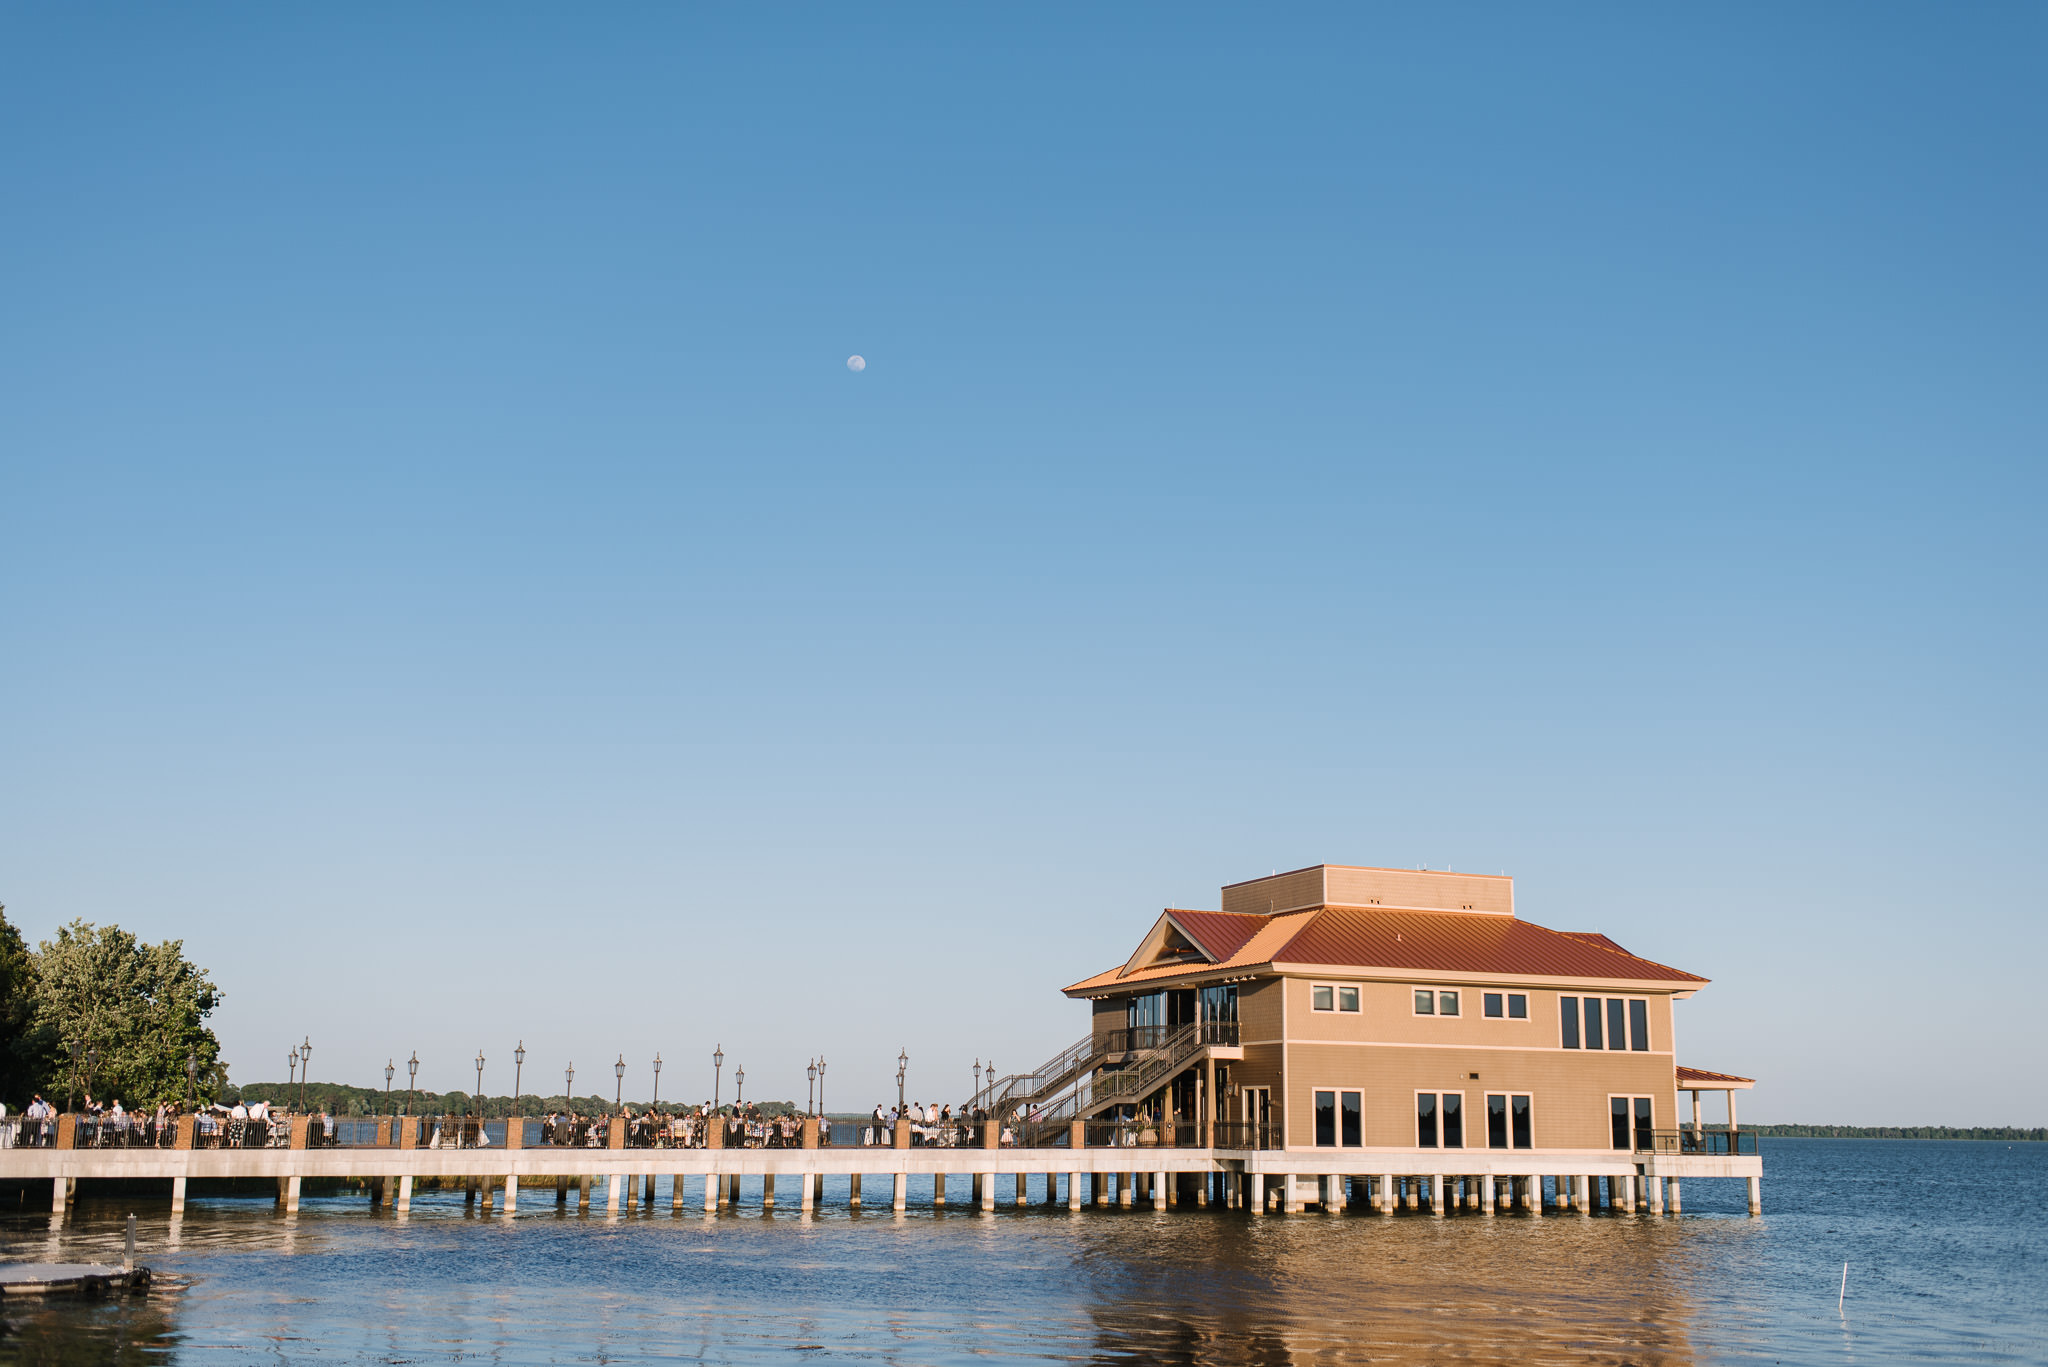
(1701, 1143)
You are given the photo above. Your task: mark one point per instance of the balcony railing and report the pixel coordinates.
(1142, 1038)
(1716, 1143)
(1245, 1134)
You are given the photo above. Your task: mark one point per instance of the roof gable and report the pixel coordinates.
(1453, 943)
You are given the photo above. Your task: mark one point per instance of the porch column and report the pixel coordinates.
(985, 1183)
(1730, 1094)
(853, 1197)
(711, 1182)
(511, 1193)
(900, 1190)
(1675, 1205)
(768, 1191)
(1159, 1191)
(1486, 1195)
(1387, 1194)
(1756, 1198)
(1656, 1195)
(807, 1191)
(1023, 1189)
(1536, 1195)
(613, 1192)
(405, 1194)
(177, 1196)
(1074, 1184)
(291, 1195)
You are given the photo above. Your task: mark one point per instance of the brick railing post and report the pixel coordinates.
(810, 1132)
(384, 1132)
(901, 1139)
(1077, 1134)
(615, 1134)
(515, 1132)
(714, 1131)
(302, 1126)
(991, 1134)
(67, 1131)
(409, 1132)
(188, 1132)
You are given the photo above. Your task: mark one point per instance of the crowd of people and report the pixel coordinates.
(933, 1126)
(742, 1127)
(110, 1125)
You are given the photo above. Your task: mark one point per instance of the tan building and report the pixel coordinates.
(1382, 1011)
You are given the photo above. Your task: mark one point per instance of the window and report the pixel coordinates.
(1440, 1120)
(1508, 1121)
(1611, 1022)
(1633, 1121)
(1447, 1003)
(1512, 1005)
(1339, 1119)
(1322, 999)
(1219, 1005)
(1347, 999)
(1425, 1002)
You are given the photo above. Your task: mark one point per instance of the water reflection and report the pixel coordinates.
(1224, 1290)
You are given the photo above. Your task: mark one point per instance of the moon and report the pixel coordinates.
(856, 364)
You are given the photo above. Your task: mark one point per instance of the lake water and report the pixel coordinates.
(1947, 1245)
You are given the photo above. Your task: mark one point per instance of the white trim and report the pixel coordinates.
(1490, 1048)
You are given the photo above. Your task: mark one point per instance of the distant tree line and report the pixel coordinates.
(95, 1010)
(2007, 1134)
(342, 1099)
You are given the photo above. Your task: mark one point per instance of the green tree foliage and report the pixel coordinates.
(25, 1050)
(2007, 1134)
(140, 1009)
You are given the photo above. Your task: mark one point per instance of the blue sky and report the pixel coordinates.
(454, 583)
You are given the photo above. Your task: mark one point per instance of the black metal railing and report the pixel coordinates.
(1702, 1142)
(1247, 1134)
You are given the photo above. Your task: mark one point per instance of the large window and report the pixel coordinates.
(1633, 1120)
(1610, 1023)
(1440, 1120)
(1512, 1006)
(1508, 1122)
(1219, 1005)
(1435, 1002)
(1340, 1119)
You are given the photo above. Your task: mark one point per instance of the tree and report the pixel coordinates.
(133, 1012)
(25, 1050)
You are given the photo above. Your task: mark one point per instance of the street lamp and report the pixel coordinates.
(569, 1087)
(305, 1068)
(291, 1063)
(518, 1064)
(479, 1084)
(717, 1064)
(739, 1086)
(619, 1096)
(810, 1086)
(902, 1066)
(192, 1078)
(977, 1078)
(412, 1079)
(821, 1085)
(656, 1103)
(390, 1071)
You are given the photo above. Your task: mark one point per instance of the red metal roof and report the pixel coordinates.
(1701, 1078)
(1219, 933)
(1459, 942)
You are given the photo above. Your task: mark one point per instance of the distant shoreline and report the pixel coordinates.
(2008, 1134)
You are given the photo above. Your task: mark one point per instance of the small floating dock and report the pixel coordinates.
(89, 1279)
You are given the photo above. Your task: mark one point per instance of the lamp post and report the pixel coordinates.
(821, 1086)
(305, 1068)
(619, 1096)
(717, 1066)
(656, 1103)
(739, 1087)
(810, 1087)
(569, 1088)
(71, 1097)
(518, 1066)
(291, 1063)
(479, 1096)
(902, 1066)
(390, 1071)
(977, 1078)
(192, 1078)
(412, 1079)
